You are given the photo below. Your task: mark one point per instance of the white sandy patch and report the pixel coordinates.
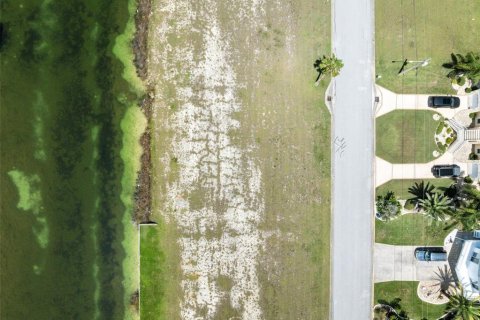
(221, 237)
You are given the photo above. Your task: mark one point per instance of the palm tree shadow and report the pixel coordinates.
(445, 279)
(316, 66)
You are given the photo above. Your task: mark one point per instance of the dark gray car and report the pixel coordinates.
(430, 254)
(443, 102)
(446, 170)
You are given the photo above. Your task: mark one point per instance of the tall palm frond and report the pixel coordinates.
(462, 307)
(420, 191)
(436, 206)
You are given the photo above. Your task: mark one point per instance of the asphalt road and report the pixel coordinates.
(353, 160)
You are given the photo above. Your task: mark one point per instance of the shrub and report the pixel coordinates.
(409, 205)
(448, 141)
(468, 180)
(472, 115)
(388, 206)
(461, 81)
(473, 156)
(449, 130)
(468, 90)
(440, 127)
(441, 147)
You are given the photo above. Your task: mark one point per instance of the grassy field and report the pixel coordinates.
(241, 160)
(400, 187)
(417, 30)
(152, 281)
(410, 229)
(407, 291)
(406, 136)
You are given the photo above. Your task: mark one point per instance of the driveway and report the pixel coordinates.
(386, 171)
(398, 263)
(390, 101)
(352, 161)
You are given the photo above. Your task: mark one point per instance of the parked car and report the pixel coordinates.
(430, 254)
(443, 102)
(445, 170)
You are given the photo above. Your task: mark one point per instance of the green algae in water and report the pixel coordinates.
(40, 110)
(30, 199)
(60, 121)
(133, 125)
(123, 51)
(28, 192)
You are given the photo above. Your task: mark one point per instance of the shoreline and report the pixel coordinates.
(142, 196)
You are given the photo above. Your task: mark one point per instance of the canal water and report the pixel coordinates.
(69, 152)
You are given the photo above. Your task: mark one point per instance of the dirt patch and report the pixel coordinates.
(142, 196)
(144, 8)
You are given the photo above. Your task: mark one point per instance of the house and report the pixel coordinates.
(466, 124)
(464, 261)
(476, 126)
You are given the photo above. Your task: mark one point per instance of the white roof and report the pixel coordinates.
(467, 268)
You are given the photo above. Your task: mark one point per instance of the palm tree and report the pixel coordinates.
(389, 310)
(436, 206)
(327, 66)
(455, 192)
(462, 67)
(468, 218)
(461, 307)
(420, 191)
(472, 196)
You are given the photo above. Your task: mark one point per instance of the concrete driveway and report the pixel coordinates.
(398, 263)
(390, 101)
(386, 171)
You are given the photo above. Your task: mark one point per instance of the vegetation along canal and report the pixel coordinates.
(70, 127)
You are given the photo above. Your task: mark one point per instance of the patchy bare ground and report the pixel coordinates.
(240, 154)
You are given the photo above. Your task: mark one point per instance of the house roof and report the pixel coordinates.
(464, 261)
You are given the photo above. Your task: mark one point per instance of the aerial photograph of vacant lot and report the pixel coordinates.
(240, 158)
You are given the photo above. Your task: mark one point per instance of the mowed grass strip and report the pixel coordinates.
(411, 229)
(407, 291)
(152, 273)
(400, 186)
(406, 136)
(416, 30)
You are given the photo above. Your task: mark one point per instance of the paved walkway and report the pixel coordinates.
(352, 161)
(398, 263)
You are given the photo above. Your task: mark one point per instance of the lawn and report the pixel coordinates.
(406, 136)
(417, 30)
(400, 187)
(152, 282)
(407, 291)
(410, 229)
